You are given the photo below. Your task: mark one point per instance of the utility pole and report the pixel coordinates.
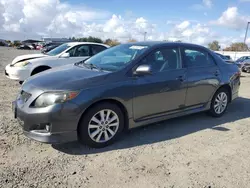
(145, 34)
(246, 32)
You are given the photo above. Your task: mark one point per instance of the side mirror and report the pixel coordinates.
(65, 55)
(143, 70)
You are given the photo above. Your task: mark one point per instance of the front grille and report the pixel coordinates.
(24, 96)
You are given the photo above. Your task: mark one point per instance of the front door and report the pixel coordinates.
(164, 90)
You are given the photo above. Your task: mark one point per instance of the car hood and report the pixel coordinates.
(68, 77)
(27, 57)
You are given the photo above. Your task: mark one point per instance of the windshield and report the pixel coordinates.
(58, 50)
(116, 58)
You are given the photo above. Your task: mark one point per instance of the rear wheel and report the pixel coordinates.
(101, 125)
(219, 102)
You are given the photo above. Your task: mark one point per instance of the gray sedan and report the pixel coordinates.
(124, 87)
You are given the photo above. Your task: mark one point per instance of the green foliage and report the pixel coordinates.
(237, 47)
(214, 45)
(87, 39)
(17, 43)
(111, 42)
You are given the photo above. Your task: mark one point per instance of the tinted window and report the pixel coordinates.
(163, 59)
(79, 51)
(58, 49)
(97, 48)
(197, 58)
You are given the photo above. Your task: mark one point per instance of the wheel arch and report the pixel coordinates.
(42, 67)
(109, 100)
(228, 88)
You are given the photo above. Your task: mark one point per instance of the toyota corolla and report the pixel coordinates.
(124, 87)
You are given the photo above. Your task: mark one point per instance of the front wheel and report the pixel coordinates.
(101, 125)
(219, 103)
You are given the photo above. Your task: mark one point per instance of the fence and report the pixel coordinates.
(234, 55)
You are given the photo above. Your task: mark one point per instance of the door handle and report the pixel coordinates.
(216, 73)
(181, 78)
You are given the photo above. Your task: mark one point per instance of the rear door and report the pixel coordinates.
(203, 76)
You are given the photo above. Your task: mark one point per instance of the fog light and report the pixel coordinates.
(47, 127)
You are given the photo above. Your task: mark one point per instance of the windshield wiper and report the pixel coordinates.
(92, 66)
(88, 65)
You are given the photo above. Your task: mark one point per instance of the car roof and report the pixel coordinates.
(164, 43)
(78, 43)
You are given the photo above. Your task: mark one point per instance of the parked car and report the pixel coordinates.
(245, 66)
(243, 58)
(25, 47)
(225, 58)
(49, 48)
(25, 66)
(124, 87)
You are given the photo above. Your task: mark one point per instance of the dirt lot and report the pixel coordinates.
(193, 151)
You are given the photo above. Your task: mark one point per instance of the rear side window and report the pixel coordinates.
(197, 58)
(79, 51)
(97, 48)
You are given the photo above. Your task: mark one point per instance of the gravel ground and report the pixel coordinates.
(192, 151)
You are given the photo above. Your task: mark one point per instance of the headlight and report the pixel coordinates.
(50, 98)
(22, 64)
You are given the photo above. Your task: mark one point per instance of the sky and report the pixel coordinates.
(195, 21)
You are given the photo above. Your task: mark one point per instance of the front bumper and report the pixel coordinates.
(17, 73)
(57, 124)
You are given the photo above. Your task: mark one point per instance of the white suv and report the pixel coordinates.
(25, 66)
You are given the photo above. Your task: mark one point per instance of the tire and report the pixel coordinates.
(101, 131)
(222, 94)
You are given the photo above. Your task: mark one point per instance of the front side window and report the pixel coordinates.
(163, 59)
(117, 57)
(58, 50)
(79, 51)
(197, 58)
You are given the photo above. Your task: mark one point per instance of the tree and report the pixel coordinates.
(89, 39)
(132, 40)
(16, 43)
(237, 47)
(111, 42)
(214, 46)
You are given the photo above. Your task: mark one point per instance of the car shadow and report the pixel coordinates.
(166, 130)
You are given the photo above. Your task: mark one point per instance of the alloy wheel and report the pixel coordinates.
(103, 126)
(220, 103)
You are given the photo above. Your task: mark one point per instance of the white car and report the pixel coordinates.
(25, 66)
